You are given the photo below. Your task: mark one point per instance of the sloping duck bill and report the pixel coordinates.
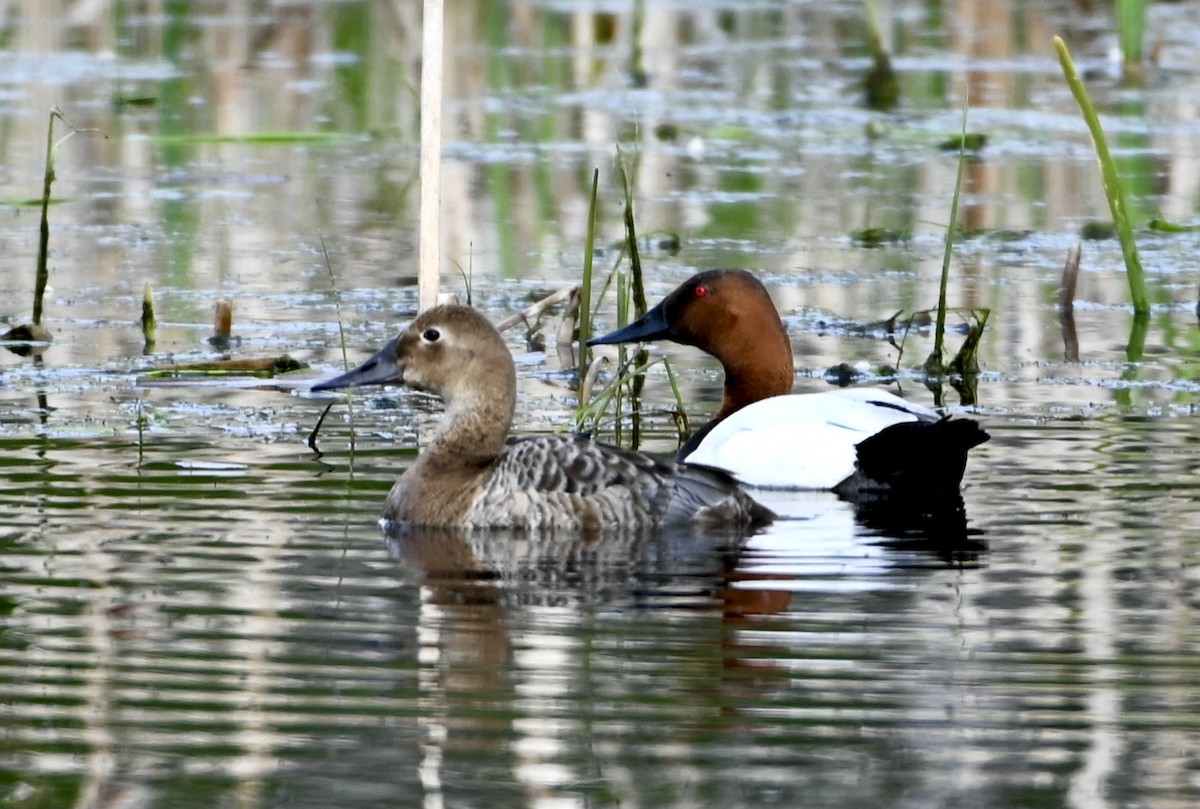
(380, 369)
(651, 326)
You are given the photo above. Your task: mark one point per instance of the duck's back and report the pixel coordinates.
(574, 482)
(801, 441)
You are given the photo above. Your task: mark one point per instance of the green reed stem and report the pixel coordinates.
(936, 362)
(1131, 29)
(585, 288)
(1113, 187)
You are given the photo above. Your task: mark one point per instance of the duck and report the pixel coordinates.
(862, 443)
(473, 475)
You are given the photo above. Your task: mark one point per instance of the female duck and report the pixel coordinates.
(859, 442)
(472, 476)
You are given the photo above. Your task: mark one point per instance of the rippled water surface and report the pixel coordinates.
(201, 610)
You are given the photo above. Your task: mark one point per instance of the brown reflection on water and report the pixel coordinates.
(352, 68)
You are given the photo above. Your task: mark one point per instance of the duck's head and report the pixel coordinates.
(728, 314)
(708, 311)
(450, 350)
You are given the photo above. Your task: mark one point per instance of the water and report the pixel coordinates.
(200, 610)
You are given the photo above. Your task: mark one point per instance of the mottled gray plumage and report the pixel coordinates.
(471, 475)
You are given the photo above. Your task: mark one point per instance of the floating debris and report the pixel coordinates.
(264, 367)
(27, 340)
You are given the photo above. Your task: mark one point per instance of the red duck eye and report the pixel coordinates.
(701, 291)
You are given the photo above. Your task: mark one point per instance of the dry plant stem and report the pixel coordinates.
(564, 339)
(1113, 188)
(429, 244)
(537, 309)
(43, 271)
(635, 260)
(586, 383)
(337, 308)
(312, 437)
(1070, 278)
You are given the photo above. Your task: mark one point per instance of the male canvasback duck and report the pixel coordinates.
(471, 475)
(862, 443)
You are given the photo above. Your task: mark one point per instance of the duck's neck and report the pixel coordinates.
(471, 434)
(757, 367)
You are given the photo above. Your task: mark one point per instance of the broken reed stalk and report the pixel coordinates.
(1113, 188)
(43, 271)
(223, 319)
(1066, 304)
(1070, 278)
(429, 241)
(638, 288)
(149, 326)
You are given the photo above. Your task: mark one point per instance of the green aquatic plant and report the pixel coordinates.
(585, 292)
(934, 365)
(1113, 187)
(1131, 31)
(628, 376)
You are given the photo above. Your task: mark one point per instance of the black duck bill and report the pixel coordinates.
(381, 369)
(651, 326)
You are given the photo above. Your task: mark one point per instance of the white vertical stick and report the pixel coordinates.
(430, 236)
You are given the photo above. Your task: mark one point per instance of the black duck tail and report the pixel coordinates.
(914, 459)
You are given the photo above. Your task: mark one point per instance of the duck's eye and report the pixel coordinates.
(701, 291)
(431, 335)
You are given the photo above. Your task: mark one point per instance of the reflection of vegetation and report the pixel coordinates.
(260, 138)
(180, 217)
(880, 84)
